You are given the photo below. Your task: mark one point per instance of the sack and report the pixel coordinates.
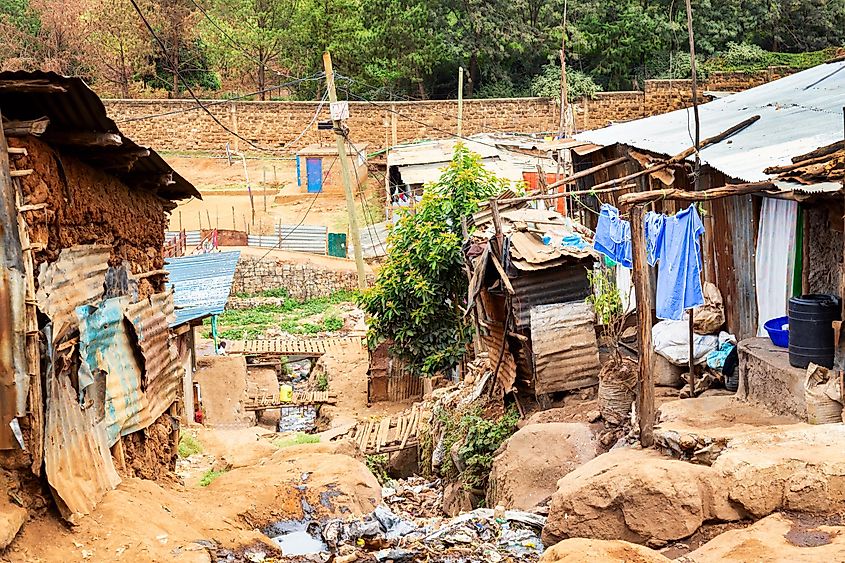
(617, 390)
(823, 396)
(710, 317)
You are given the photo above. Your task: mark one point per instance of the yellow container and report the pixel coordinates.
(286, 393)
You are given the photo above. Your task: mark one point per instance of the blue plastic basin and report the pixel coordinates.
(778, 335)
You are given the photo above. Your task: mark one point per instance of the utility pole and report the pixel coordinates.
(695, 182)
(344, 168)
(460, 100)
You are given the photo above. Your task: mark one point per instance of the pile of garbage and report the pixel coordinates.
(415, 497)
(483, 535)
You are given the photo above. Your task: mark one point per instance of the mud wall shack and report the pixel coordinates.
(90, 375)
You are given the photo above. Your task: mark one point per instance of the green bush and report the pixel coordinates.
(209, 477)
(188, 446)
(378, 464)
(579, 84)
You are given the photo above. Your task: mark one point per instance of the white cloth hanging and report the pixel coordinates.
(775, 259)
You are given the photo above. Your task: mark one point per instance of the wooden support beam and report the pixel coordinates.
(704, 195)
(84, 138)
(683, 155)
(31, 86)
(642, 288)
(17, 128)
(21, 173)
(20, 151)
(547, 197)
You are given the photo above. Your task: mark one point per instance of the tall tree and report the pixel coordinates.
(119, 48)
(252, 37)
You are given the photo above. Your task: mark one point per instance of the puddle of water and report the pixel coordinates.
(293, 538)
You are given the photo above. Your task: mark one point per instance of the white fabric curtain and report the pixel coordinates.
(775, 259)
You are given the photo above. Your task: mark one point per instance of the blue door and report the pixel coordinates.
(314, 171)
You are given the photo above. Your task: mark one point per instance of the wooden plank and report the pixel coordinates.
(704, 195)
(645, 381)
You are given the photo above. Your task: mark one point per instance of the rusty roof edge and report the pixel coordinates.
(73, 104)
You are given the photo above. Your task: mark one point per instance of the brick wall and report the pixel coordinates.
(276, 124)
(303, 280)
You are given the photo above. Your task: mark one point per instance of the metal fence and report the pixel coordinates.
(374, 239)
(293, 238)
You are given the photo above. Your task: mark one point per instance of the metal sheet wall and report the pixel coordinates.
(566, 354)
(543, 287)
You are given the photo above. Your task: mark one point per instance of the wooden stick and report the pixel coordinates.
(497, 224)
(681, 156)
(645, 381)
(565, 194)
(704, 195)
(504, 276)
(19, 173)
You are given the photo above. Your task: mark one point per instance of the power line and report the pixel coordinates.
(187, 86)
(318, 76)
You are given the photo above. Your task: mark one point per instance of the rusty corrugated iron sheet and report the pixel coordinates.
(493, 339)
(561, 284)
(109, 360)
(76, 452)
(75, 278)
(72, 107)
(566, 354)
(162, 374)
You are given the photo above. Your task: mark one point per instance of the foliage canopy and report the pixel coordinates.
(417, 299)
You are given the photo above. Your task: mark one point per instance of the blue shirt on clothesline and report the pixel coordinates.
(671, 241)
(613, 236)
(679, 273)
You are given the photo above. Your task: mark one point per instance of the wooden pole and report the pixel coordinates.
(704, 195)
(683, 155)
(354, 234)
(234, 224)
(460, 100)
(497, 225)
(394, 124)
(180, 221)
(642, 288)
(696, 183)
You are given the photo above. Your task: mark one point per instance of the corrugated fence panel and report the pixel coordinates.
(566, 354)
(76, 278)
(105, 347)
(374, 239)
(544, 287)
(76, 453)
(162, 373)
(493, 338)
(201, 283)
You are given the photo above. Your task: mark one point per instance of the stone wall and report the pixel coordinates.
(302, 279)
(181, 125)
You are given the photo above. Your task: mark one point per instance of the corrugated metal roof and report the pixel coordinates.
(76, 453)
(563, 341)
(72, 107)
(202, 284)
(75, 278)
(798, 113)
(162, 373)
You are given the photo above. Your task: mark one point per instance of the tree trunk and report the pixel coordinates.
(262, 81)
(473, 74)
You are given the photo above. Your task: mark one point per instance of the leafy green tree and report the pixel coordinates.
(251, 37)
(579, 84)
(404, 43)
(417, 297)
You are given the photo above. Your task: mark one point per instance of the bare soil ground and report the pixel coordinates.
(226, 202)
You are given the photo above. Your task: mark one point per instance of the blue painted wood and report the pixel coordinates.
(314, 171)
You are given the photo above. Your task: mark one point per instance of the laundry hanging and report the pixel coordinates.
(678, 252)
(613, 236)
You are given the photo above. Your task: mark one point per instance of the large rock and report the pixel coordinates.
(644, 497)
(527, 468)
(776, 538)
(12, 518)
(578, 550)
(801, 469)
(637, 496)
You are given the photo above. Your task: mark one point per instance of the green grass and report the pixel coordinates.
(300, 438)
(188, 446)
(236, 324)
(209, 477)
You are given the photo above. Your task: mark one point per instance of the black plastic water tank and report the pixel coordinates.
(811, 331)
